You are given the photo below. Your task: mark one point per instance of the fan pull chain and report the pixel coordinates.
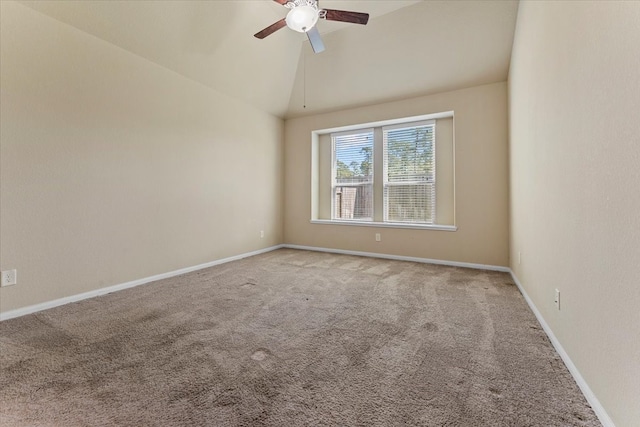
(304, 78)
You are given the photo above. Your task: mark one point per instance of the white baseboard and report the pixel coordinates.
(597, 407)
(102, 291)
(402, 258)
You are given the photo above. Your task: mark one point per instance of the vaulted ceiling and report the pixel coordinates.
(409, 48)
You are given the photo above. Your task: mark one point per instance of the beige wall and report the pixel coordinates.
(575, 186)
(115, 169)
(481, 180)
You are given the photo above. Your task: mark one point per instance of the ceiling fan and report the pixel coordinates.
(303, 17)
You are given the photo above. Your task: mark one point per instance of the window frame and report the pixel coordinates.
(385, 172)
(316, 168)
(334, 183)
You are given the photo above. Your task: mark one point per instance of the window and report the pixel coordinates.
(408, 156)
(352, 176)
(397, 173)
(409, 173)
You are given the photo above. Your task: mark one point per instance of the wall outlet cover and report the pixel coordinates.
(9, 277)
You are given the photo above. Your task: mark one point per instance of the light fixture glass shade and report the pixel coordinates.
(302, 18)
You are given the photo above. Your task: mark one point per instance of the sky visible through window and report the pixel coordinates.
(354, 152)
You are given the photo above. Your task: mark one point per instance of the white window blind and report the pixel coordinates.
(352, 175)
(409, 180)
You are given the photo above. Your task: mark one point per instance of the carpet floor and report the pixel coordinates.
(292, 338)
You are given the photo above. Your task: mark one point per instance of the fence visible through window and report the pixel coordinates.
(354, 200)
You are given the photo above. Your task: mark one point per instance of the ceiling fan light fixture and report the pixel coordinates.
(302, 18)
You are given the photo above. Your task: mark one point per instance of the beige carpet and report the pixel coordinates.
(292, 338)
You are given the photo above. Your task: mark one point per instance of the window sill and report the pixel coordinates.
(386, 224)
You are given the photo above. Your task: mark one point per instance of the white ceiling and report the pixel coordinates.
(409, 48)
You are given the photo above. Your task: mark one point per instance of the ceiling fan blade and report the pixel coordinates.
(346, 16)
(271, 29)
(315, 40)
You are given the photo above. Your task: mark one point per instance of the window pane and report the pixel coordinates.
(354, 202)
(409, 154)
(410, 203)
(353, 176)
(409, 174)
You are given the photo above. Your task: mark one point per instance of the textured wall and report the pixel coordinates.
(115, 169)
(481, 180)
(575, 185)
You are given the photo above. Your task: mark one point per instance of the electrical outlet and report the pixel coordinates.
(557, 299)
(378, 237)
(9, 277)
(262, 234)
